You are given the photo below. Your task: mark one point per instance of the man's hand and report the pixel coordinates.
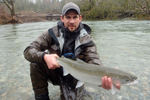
(107, 82)
(50, 60)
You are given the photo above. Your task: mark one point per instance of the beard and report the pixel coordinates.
(71, 28)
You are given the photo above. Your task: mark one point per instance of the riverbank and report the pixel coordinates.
(23, 18)
(26, 17)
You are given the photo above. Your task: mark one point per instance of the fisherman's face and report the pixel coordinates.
(71, 20)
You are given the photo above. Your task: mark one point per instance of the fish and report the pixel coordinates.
(92, 73)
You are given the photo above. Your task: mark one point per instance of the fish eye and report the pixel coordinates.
(127, 80)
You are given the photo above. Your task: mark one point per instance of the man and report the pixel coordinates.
(71, 39)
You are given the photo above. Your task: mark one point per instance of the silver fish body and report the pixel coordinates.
(91, 73)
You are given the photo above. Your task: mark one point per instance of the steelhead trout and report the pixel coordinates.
(91, 73)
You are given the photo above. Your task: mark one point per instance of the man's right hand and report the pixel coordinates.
(51, 61)
(107, 83)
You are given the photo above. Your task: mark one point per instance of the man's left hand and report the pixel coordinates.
(107, 83)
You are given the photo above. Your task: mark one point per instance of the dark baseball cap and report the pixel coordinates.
(70, 6)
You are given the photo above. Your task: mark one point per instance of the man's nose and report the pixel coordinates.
(71, 20)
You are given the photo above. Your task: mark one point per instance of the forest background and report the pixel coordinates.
(90, 9)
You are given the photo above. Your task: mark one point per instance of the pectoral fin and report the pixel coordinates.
(65, 72)
(113, 89)
(79, 84)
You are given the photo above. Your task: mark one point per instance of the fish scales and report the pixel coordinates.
(91, 73)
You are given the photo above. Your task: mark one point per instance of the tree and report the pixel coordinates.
(10, 5)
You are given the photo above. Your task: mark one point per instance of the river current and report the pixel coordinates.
(122, 44)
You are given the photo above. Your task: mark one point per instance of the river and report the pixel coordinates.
(122, 44)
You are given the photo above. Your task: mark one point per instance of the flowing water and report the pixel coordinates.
(122, 44)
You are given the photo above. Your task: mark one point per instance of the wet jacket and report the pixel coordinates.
(53, 41)
(57, 41)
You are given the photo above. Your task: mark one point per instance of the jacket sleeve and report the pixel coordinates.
(91, 56)
(90, 52)
(36, 50)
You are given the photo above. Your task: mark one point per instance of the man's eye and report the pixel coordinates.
(75, 17)
(68, 17)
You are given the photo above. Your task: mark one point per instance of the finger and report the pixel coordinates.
(56, 56)
(118, 86)
(103, 83)
(106, 83)
(50, 67)
(56, 64)
(109, 82)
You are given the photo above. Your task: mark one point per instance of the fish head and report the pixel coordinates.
(127, 79)
(130, 80)
(124, 80)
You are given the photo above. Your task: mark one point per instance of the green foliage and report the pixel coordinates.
(112, 9)
(85, 6)
(90, 9)
(99, 10)
(93, 13)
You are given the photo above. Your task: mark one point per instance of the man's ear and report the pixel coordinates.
(80, 17)
(62, 18)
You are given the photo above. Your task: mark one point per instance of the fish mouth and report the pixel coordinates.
(133, 81)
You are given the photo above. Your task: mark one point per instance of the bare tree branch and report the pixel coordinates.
(7, 4)
(7, 1)
(10, 5)
(140, 6)
(147, 8)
